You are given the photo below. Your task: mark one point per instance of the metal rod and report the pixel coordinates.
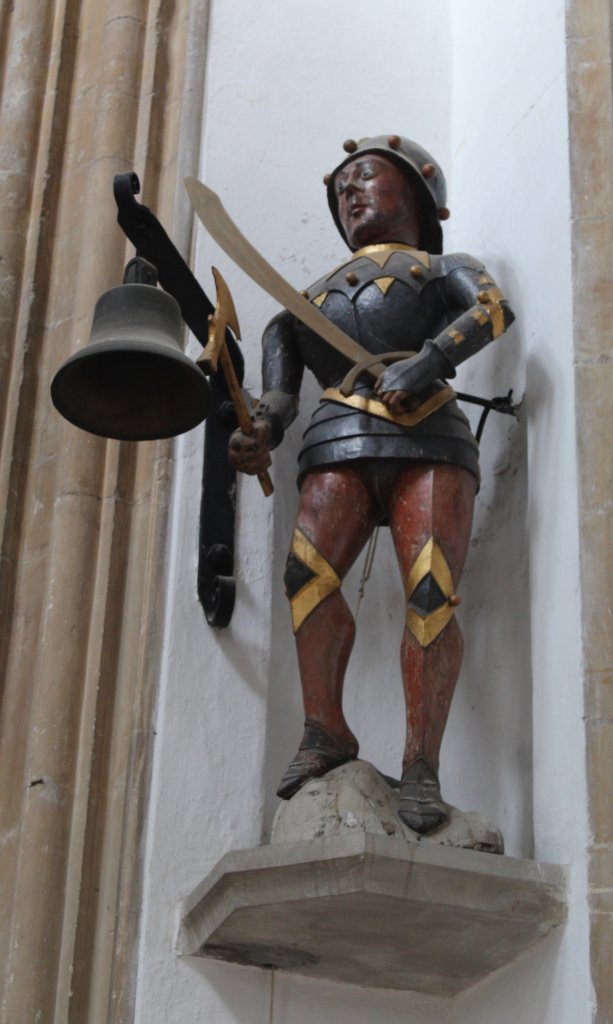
(273, 971)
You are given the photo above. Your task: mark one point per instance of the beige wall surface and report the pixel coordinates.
(591, 155)
(88, 89)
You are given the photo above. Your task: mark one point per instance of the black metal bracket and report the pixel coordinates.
(215, 583)
(503, 404)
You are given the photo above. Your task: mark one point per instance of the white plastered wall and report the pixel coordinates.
(483, 87)
(510, 174)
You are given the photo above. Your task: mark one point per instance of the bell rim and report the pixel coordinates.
(197, 404)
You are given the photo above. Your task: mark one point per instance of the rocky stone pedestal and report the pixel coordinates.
(357, 798)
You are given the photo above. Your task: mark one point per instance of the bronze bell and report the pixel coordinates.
(132, 381)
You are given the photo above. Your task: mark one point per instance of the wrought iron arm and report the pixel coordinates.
(216, 584)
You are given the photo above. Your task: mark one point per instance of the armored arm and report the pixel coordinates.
(485, 315)
(282, 370)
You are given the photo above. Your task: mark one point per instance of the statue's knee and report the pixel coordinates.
(309, 578)
(431, 597)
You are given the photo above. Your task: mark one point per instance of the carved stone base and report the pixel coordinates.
(373, 910)
(356, 798)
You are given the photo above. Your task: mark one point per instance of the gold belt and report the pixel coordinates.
(375, 408)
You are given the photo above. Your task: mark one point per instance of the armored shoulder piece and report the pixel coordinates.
(446, 264)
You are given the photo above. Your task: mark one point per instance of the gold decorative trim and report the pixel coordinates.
(384, 284)
(490, 300)
(379, 247)
(320, 299)
(375, 408)
(431, 559)
(426, 630)
(381, 253)
(456, 336)
(312, 593)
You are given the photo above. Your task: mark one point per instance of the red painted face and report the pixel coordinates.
(376, 202)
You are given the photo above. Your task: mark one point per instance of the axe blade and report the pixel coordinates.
(225, 310)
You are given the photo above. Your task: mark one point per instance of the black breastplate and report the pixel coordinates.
(387, 298)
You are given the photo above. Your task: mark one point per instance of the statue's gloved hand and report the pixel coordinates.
(250, 453)
(399, 385)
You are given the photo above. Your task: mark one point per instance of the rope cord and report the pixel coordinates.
(366, 571)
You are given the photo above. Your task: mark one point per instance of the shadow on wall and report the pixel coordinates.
(487, 752)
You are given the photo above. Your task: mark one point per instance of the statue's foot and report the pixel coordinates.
(318, 753)
(421, 806)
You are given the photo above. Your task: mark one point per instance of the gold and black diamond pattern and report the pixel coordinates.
(429, 589)
(309, 578)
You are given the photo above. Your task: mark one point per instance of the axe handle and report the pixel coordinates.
(242, 412)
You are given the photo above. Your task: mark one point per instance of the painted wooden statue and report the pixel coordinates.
(396, 450)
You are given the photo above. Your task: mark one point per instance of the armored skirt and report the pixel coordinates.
(344, 431)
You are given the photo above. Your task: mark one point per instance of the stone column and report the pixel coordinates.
(89, 89)
(591, 154)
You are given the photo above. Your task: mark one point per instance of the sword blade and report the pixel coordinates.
(221, 227)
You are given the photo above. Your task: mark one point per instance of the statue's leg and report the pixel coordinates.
(336, 516)
(430, 514)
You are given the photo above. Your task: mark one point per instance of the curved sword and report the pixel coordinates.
(220, 225)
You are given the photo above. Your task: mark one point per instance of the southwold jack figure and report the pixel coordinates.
(395, 450)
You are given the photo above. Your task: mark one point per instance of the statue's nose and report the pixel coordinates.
(353, 185)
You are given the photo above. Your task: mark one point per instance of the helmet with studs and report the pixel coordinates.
(422, 171)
